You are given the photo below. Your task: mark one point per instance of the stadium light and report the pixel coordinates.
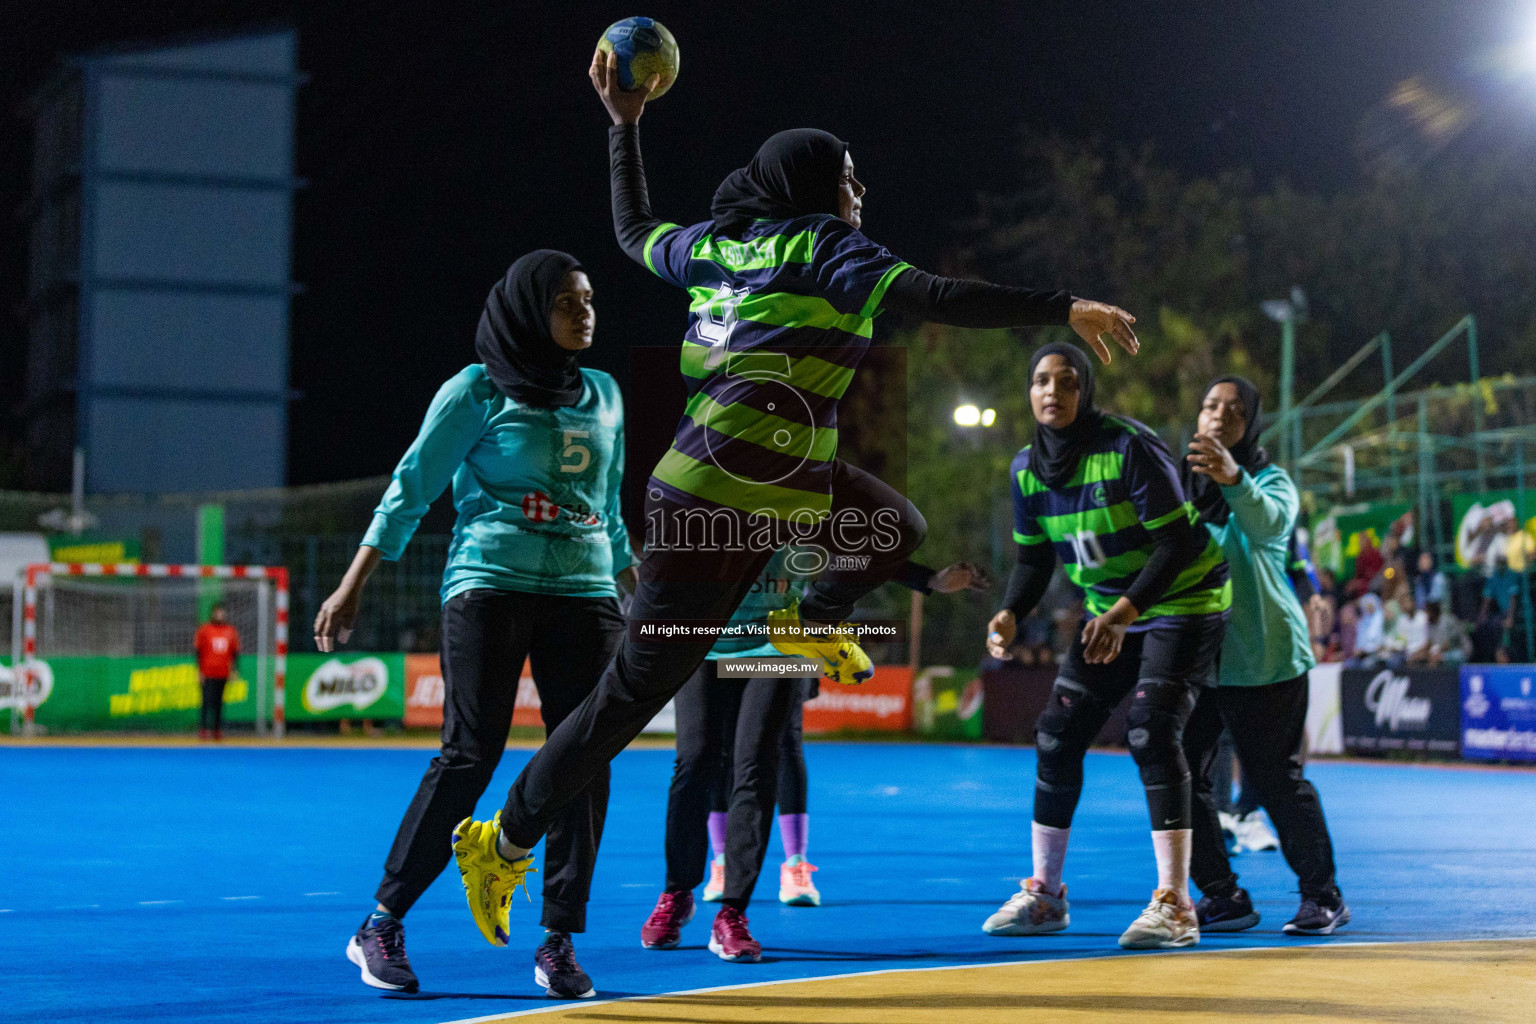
(988, 417)
(967, 415)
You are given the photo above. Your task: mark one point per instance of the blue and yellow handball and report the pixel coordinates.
(645, 48)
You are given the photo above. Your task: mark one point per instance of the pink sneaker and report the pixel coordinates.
(664, 928)
(795, 886)
(715, 887)
(730, 940)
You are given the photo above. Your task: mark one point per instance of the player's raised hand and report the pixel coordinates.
(624, 107)
(1092, 320)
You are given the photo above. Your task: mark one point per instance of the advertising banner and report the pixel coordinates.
(1413, 709)
(1498, 712)
(424, 694)
(883, 704)
(1325, 733)
(90, 694)
(1488, 521)
(1337, 537)
(325, 687)
(947, 703)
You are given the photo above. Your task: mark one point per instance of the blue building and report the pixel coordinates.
(161, 223)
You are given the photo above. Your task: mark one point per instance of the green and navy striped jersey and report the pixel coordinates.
(777, 323)
(1125, 486)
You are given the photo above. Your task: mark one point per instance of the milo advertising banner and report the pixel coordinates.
(1337, 537)
(1494, 523)
(324, 687)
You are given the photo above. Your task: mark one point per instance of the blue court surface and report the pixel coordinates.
(197, 884)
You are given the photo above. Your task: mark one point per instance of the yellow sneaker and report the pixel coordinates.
(489, 878)
(838, 651)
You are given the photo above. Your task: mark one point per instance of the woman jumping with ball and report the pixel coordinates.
(783, 291)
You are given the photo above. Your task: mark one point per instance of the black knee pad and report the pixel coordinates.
(1155, 730)
(1063, 733)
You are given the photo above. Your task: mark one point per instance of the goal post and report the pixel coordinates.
(84, 625)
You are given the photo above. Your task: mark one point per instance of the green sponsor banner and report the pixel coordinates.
(1487, 520)
(163, 694)
(327, 687)
(105, 550)
(1337, 536)
(160, 694)
(947, 703)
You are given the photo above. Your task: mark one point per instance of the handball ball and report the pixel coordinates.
(645, 48)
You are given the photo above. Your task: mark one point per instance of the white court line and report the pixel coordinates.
(636, 885)
(489, 1018)
(156, 903)
(322, 894)
(239, 897)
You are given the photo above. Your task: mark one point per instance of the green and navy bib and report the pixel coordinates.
(1099, 522)
(777, 323)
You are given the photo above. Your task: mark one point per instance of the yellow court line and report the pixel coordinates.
(1483, 981)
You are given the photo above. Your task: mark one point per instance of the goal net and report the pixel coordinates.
(112, 646)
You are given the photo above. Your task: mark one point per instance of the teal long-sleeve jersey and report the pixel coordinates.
(537, 489)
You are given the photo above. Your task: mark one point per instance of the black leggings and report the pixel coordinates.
(794, 782)
(732, 730)
(487, 634)
(1167, 666)
(1268, 725)
(211, 715)
(699, 564)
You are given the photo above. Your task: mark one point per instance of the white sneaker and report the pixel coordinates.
(1167, 923)
(1253, 833)
(1030, 911)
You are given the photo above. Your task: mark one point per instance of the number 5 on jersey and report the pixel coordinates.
(574, 450)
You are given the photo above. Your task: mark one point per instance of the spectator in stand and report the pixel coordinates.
(1369, 634)
(1430, 584)
(1034, 644)
(217, 644)
(1341, 642)
(1323, 614)
(1367, 564)
(1403, 634)
(1442, 635)
(1391, 582)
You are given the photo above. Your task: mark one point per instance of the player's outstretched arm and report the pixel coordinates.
(633, 222)
(962, 302)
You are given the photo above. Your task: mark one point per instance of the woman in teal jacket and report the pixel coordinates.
(533, 445)
(1250, 507)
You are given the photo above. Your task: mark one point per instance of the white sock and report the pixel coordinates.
(1172, 850)
(509, 853)
(1050, 851)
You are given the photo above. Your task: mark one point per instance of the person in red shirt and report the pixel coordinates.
(218, 652)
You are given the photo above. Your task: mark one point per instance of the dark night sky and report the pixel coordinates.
(439, 147)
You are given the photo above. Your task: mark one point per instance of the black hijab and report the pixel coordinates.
(1055, 454)
(1205, 493)
(514, 340)
(794, 173)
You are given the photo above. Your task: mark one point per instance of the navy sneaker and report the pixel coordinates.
(380, 952)
(556, 971)
(1319, 915)
(1232, 913)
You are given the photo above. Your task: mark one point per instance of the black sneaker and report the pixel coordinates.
(556, 971)
(380, 952)
(1319, 915)
(1232, 913)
